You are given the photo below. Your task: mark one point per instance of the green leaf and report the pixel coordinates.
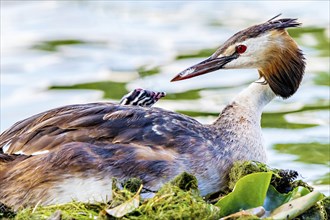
(249, 192)
(275, 199)
(296, 207)
(299, 192)
(253, 213)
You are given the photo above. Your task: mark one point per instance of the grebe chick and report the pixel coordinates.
(142, 97)
(73, 152)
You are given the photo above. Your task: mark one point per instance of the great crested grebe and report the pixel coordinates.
(73, 152)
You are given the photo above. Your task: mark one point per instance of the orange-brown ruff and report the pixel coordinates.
(73, 152)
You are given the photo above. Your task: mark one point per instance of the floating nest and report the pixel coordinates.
(178, 199)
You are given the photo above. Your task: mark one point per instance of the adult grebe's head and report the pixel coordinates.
(267, 47)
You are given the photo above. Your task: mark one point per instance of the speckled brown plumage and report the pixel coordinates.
(124, 145)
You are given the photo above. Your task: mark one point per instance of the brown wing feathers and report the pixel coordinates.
(101, 124)
(54, 127)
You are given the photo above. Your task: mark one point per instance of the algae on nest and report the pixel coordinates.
(6, 212)
(177, 199)
(282, 180)
(171, 202)
(72, 210)
(317, 212)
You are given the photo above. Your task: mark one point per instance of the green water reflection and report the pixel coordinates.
(320, 41)
(116, 90)
(324, 180)
(143, 71)
(277, 120)
(322, 78)
(314, 153)
(112, 90)
(53, 45)
(197, 54)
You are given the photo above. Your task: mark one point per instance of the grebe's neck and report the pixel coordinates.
(238, 125)
(248, 104)
(255, 96)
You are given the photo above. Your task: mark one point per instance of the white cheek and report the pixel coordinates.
(241, 62)
(257, 44)
(253, 55)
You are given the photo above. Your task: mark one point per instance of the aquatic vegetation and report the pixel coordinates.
(249, 192)
(321, 210)
(178, 199)
(253, 196)
(282, 180)
(72, 210)
(127, 206)
(6, 212)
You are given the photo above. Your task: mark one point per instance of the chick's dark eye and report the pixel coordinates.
(241, 48)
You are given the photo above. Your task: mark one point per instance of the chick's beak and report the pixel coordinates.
(209, 65)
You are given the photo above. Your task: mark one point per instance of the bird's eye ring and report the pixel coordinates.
(241, 48)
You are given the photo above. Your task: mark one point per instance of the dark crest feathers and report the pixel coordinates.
(271, 24)
(282, 23)
(257, 30)
(274, 17)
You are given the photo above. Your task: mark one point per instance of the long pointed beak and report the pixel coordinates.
(209, 65)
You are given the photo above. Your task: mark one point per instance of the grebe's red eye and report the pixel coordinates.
(241, 48)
